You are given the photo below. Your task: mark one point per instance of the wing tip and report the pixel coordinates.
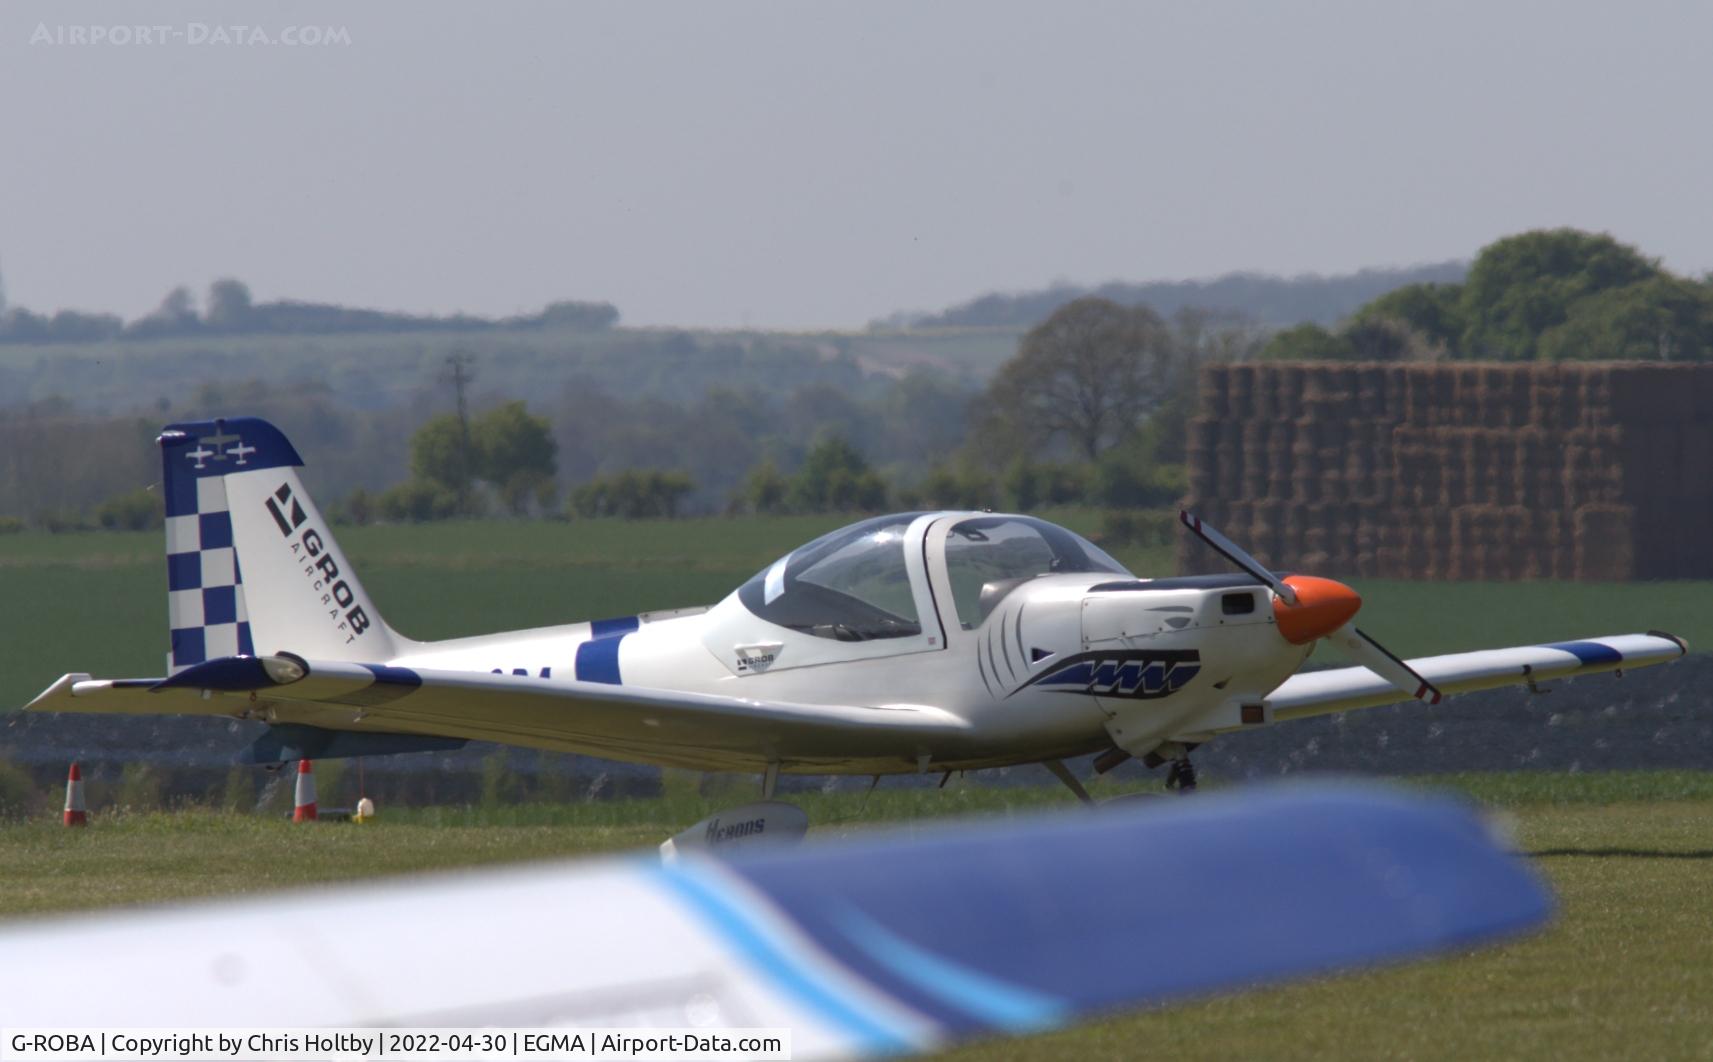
(1682, 643)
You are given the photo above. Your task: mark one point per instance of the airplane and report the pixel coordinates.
(923, 642)
(894, 942)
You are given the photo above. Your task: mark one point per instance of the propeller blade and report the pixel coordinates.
(1234, 553)
(1365, 650)
(1378, 659)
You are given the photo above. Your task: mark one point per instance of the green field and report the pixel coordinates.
(1626, 970)
(96, 602)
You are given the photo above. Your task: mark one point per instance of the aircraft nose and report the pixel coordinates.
(1323, 606)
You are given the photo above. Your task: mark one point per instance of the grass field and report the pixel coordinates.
(1626, 970)
(96, 602)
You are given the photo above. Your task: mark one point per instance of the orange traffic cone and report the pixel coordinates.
(75, 814)
(304, 811)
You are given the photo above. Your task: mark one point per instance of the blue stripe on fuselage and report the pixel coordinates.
(607, 628)
(598, 658)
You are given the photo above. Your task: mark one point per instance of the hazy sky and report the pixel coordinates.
(798, 165)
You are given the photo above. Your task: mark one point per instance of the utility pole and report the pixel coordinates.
(460, 375)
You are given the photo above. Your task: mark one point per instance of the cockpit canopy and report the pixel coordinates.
(855, 584)
(987, 557)
(851, 584)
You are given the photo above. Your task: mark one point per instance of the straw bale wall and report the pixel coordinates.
(1588, 471)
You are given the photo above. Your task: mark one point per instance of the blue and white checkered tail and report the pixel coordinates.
(251, 563)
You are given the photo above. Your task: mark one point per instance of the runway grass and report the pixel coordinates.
(1626, 970)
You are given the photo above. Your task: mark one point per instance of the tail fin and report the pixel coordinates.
(251, 564)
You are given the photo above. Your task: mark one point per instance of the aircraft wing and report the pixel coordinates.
(1323, 692)
(894, 942)
(582, 716)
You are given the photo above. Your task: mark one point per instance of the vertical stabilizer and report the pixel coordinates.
(251, 564)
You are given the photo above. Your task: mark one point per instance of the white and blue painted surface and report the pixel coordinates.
(895, 942)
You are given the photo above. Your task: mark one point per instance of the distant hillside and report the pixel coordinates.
(1269, 300)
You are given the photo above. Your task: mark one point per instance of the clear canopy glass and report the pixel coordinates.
(987, 557)
(851, 585)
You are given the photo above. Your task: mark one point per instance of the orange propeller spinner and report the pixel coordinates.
(1306, 607)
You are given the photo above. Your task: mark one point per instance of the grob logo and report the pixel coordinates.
(319, 565)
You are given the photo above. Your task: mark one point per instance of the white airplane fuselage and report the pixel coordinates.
(1172, 663)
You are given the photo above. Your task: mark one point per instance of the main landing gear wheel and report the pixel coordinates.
(1181, 776)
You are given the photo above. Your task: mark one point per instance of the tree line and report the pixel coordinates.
(1084, 413)
(1271, 300)
(1547, 295)
(229, 310)
(1090, 409)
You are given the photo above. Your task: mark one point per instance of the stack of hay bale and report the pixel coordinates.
(1458, 471)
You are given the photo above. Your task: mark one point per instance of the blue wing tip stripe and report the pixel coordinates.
(991, 1000)
(1589, 653)
(726, 914)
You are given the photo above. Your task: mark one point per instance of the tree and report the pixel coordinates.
(359, 508)
(1663, 319)
(924, 412)
(1307, 342)
(137, 510)
(1127, 479)
(1205, 335)
(1521, 286)
(1434, 311)
(765, 489)
(633, 494)
(417, 501)
(836, 478)
(1089, 374)
(515, 452)
(230, 308)
(1375, 338)
(954, 485)
(175, 316)
(1029, 484)
(585, 316)
(437, 455)
(72, 326)
(509, 448)
(20, 325)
